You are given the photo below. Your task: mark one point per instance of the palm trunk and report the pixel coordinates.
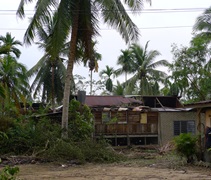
(53, 88)
(69, 75)
(91, 83)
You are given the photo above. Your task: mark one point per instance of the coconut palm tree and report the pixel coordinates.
(49, 80)
(125, 61)
(48, 67)
(107, 73)
(8, 45)
(144, 68)
(2, 91)
(14, 81)
(202, 29)
(203, 24)
(118, 89)
(81, 17)
(96, 57)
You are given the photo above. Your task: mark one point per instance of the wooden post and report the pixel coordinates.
(199, 130)
(116, 144)
(128, 140)
(127, 129)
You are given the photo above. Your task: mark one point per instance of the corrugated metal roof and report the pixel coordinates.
(166, 109)
(198, 103)
(93, 101)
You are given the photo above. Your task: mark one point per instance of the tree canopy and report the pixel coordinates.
(81, 17)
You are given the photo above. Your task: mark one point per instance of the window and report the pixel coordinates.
(121, 117)
(106, 116)
(184, 127)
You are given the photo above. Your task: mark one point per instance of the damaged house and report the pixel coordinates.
(140, 120)
(137, 120)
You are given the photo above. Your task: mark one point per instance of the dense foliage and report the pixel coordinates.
(42, 138)
(9, 173)
(81, 123)
(191, 70)
(186, 146)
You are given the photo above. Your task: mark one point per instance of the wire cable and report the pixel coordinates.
(176, 10)
(110, 29)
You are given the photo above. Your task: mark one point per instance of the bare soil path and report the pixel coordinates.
(141, 164)
(110, 172)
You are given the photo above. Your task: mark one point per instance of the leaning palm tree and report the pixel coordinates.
(8, 45)
(144, 68)
(81, 17)
(107, 73)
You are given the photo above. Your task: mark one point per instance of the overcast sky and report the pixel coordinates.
(161, 28)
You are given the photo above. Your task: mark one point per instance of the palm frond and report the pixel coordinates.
(20, 12)
(61, 28)
(37, 66)
(158, 63)
(42, 13)
(114, 14)
(203, 22)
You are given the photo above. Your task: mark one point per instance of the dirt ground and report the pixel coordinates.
(140, 165)
(109, 172)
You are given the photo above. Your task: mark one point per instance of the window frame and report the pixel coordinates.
(184, 126)
(106, 116)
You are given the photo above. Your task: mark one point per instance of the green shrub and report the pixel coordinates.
(6, 122)
(29, 137)
(43, 139)
(61, 150)
(99, 152)
(80, 121)
(9, 173)
(186, 146)
(86, 151)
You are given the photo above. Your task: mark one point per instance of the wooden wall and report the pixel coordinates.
(125, 122)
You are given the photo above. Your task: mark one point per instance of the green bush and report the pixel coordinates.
(6, 122)
(85, 151)
(80, 121)
(61, 150)
(43, 139)
(9, 173)
(99, 152)
(186, 146)
(29, 137)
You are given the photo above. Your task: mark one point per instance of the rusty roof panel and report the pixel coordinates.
(166, 109)
(93, 101)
